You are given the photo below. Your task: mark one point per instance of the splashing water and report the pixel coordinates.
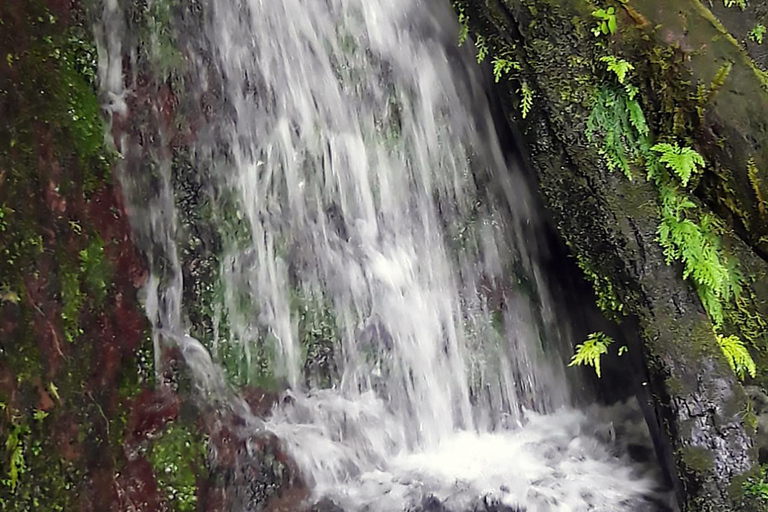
(377, 255)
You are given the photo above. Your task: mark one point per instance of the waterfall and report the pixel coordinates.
(377, 254)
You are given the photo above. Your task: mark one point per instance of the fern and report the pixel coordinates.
(14, 445)
(682, 161)
(482, 48)
(618, 66)
(757, 34)
(621, 122)
(502, 66)
(699, 248)
(637, 118)
(618, 117)
(463, 27)
(526, 102)
(463, 23)
(737, 355)
(741, 4)
(605, 295)
(590, 352)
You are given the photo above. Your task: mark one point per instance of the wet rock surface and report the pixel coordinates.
(695, 404)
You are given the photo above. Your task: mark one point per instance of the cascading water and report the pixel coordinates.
(377, 256)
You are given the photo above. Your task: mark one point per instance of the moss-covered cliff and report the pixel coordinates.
(77, 410)
(593, 89)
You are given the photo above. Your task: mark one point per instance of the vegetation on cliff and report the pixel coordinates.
(655, 90)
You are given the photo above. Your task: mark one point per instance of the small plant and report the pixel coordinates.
(619, 118)
(698, 247)
(502, 66)
(526, 102)
(738, 356)
(8, 295)
(177, 457)
(757, 34)
(606, 21)
(618, 66)
(757, 487)
(741, 4)
(684, 162)
(590, 352)
(463, 26)
(605, 295)
(754, 180)
(482, 48)
(94, 268)
(14, 446)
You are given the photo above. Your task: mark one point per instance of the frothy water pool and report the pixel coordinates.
(595, 460)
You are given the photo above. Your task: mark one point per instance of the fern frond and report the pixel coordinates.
(482, 48)
(741, 4)
(526, 102)
(590, 352)
(712, 305)
(637, 118)
(502, 66)
(619, 67)
(682, 161)
(463, 27)
(738, 356)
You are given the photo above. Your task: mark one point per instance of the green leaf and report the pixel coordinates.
(526, 102)
(502, 66)
(637, 118)
(482, 48)
(737, 355)
(682, 161)
(54, 391)
(757, 34)
(618, 66)
(590, 352)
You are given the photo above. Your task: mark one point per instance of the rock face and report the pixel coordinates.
(677, 48)
(87, 422)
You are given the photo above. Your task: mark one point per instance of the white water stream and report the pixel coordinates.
(357, 145)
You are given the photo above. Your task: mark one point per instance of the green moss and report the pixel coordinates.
(697, 459)
(319, 336)
(605, 293)
(35, 477)
(52, 159)
(178, 460)
(754, 180)
(72, 300)
(754, 486)
(674, 386)
(96, 272)
(744, 317)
